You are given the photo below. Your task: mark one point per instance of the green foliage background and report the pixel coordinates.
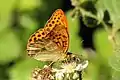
(20, 18)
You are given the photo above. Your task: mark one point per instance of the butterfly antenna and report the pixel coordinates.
(51, 64)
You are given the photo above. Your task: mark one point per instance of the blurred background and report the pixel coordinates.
(20, 18)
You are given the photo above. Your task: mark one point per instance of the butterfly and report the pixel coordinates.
(51, 42)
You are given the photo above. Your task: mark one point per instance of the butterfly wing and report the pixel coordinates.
(59, 36)
(45, 50)
(54, 33)
(57, 29)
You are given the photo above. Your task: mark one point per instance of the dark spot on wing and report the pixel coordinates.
(50, 25)
(35, 38)
(39, 35)
(53, 22)
(43, 33)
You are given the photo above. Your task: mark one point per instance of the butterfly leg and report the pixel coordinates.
(51, 64)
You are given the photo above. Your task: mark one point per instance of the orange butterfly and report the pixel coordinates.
(50, 43)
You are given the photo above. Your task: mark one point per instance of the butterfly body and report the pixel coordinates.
(50, 43)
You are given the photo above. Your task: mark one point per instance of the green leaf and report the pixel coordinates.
(73, 26)
(6, 7)
(9, 47)
(23, 69)
(102, 45)
(115, 75)
(103, 51)
(112, 6)
(29, 4)
(27, 22)
(114, 60)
